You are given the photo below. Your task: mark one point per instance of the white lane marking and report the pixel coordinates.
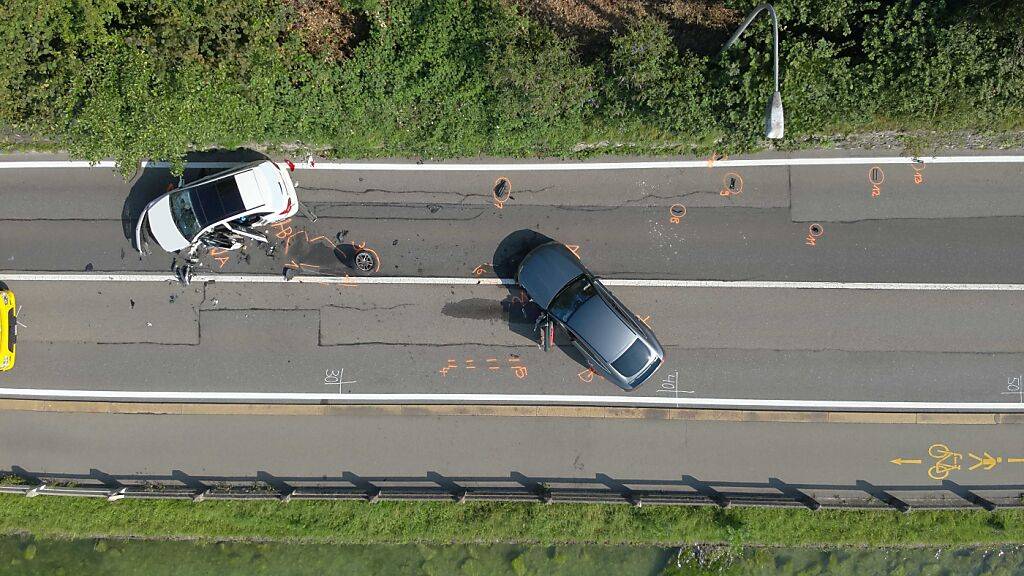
(451, 281)
(560, 399)
(552, 166)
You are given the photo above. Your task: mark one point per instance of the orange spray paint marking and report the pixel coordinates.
(502, 192)
(496, 365)
(450, 366)
(481, 269)
(348, 281)
(675, 212)
(715, 157)
(732, 185)
(469, 364)
(875, 177)
(645, 320)
(574, 248)
(814, 231)
(517, 369)
(220, 255)
(918, 167)
(301, 266)
(587, 376)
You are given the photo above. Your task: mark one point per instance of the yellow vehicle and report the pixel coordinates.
(8, 329)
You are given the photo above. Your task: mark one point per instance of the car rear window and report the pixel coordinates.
(633, 359)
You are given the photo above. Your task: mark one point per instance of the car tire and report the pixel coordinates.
(364, 262)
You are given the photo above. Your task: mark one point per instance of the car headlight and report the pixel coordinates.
(6, 299)
(5, 362)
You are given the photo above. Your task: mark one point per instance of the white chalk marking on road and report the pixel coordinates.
(551, 166)
(557, 399)
(452, 281)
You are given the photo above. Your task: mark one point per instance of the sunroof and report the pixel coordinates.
(216, 201)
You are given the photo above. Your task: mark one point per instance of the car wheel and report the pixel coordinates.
(365, 262)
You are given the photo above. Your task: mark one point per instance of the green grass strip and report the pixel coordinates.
(346, 522)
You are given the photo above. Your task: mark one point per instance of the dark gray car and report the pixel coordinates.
(618, 344)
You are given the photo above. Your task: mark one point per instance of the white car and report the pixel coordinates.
(219, 210)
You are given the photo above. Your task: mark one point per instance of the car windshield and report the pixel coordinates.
(574, 295)
(633, 359)
(184, 215)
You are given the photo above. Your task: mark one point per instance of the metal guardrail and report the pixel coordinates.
(685, 491)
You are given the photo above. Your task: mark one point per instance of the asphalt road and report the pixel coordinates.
(961, 224)
(806, 344)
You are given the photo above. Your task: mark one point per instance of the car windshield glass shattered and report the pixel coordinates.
(571, 298)
(184, 215)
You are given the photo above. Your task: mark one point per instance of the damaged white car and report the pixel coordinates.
(220, 210)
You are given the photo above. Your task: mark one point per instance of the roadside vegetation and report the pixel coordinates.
(137, 79)
(346, 522)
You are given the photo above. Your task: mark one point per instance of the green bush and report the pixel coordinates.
(136, 79)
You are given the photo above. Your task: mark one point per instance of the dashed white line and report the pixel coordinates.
(454, 281)
(514, 399)
(552, 166)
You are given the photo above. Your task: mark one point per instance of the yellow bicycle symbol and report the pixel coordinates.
(946, 461)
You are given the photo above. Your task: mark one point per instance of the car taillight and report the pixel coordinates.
(286, 208)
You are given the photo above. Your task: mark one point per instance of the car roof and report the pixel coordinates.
(602, 328)
(546, 270)
(222, 198)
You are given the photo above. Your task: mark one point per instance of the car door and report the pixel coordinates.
(580, 344)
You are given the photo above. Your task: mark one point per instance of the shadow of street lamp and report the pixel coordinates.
(774, 123)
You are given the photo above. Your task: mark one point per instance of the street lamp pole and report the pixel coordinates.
(774, 120)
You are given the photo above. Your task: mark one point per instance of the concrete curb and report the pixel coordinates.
(621, 413)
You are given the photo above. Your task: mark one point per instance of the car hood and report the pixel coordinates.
(162, 227)
(546, 270)
(597, 323)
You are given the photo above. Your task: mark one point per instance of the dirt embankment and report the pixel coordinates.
(698, 25)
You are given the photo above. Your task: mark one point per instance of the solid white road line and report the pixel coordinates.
(553, 166)
(451, 281)
(541, 399)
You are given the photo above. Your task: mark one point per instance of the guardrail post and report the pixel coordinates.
(968, 495)
(883, 496)
(705, 490)
(457, 492)
(619, 488)
(794, 493)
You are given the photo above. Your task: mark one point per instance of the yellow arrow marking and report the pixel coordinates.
(902, 461)
(987, 461)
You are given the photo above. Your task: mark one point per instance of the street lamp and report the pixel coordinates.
(774, 124)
